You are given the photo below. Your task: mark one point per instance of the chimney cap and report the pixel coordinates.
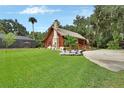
(55, 24)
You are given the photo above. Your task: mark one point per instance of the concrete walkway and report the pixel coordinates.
(110, 59)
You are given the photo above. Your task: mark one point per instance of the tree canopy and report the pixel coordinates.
(13, 26)
(32, 20)
(104, 26)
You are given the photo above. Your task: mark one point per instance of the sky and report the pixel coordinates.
(45, 15)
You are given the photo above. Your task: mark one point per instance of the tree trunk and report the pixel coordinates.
(33, 31)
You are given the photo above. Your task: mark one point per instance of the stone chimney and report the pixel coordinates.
(55, 24)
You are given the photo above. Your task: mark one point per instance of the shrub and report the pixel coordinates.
(9, 39)
(70, 42)
(113, 45)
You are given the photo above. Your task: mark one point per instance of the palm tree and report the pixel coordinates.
(33, 20)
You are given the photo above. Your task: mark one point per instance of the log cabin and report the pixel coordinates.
(55, 38)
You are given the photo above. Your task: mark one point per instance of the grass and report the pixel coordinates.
(46, 68)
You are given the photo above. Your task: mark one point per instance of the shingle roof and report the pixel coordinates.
(18, 37)
(23, 38)
(64, 32)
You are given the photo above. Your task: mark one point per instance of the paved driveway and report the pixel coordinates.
(110, 59)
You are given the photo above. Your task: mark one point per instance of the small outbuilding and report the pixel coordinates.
(21, 42)
(122, 44)
(56, 36)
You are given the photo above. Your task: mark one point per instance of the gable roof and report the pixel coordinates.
(18, 37)
(65, 32)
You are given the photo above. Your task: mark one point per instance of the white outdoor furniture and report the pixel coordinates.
(71, 53)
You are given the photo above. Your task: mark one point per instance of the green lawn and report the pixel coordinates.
(46, 68)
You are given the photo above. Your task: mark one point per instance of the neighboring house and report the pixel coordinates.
(122, 44)
(21, 42)
(55, 37)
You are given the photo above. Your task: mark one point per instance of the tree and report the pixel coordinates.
(80, 24)
(20, 29)
(33, 20)
(9, 39)
(70, 41)
(69, 27)
(114, 43)
(39, 36)
(9, 25)
(107, 20)
(104, 27)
